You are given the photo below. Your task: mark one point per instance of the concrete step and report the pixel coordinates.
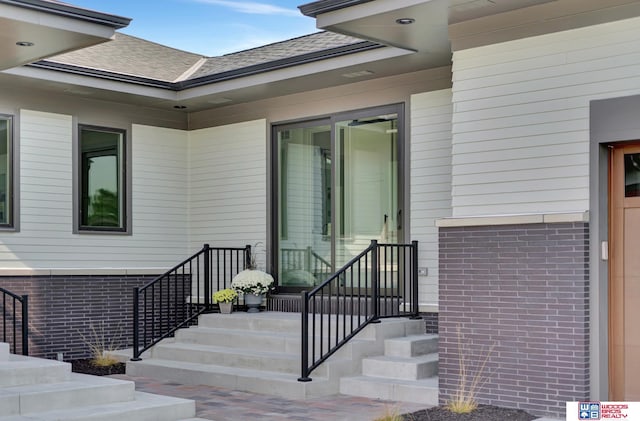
(419, 391)
(411, 346)
(19, 370)
(80, 390)
(401, 368)
(145, 407)
(232, 338)
(255, 359)
(243, 379)
(288, 343)
(289, 323)
(265, 321)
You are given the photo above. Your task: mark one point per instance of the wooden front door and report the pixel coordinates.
(624, 274)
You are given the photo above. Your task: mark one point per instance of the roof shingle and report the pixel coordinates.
(133, 56)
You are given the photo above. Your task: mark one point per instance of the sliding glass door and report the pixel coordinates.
(336, 188)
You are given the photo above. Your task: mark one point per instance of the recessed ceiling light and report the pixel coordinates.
(179, 107)
(361, 73)
(25, 44)
(405, 21)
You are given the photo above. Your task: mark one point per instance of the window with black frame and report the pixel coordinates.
(6, 161)
(102, 179)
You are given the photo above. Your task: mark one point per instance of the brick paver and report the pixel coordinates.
(220, 404)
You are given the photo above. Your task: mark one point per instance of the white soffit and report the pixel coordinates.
(50, 34)
(376, 21)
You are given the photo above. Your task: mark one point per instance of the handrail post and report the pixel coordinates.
(305, 338)
(375, 271)
(247, 256)
(136, 324)
(25, 325)
(207, 277)
(414, 280)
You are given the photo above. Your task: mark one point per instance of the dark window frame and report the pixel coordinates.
(10, 225)
(123, 181)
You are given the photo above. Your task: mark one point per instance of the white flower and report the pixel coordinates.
(251, 281)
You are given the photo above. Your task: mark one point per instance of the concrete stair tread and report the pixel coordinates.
(222, 331)
(411, 338)
(430, 382)
(79, 390)
(424, 391)
(212, 330)
(212, 368)
(76, 381)
(145, 407)
(188, 346)
(433, 357)
(20, 370)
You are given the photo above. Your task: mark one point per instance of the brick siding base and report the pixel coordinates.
(68, 313)
(518, 296)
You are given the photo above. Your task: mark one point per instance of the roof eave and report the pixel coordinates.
(209, 79)
(280, 64)
(324, 6)
(66, 10)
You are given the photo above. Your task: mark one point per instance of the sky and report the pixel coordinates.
(209, 27)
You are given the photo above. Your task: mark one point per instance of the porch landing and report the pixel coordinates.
(260, 353)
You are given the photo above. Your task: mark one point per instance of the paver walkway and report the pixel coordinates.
(220, 404)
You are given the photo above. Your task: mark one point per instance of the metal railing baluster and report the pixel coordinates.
(373, 295)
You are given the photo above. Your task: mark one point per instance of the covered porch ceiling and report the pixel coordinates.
(34, 29)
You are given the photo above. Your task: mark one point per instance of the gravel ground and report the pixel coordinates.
(87, 367)
(482, 413)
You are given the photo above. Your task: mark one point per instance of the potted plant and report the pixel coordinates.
(225, 299)
(254, 284)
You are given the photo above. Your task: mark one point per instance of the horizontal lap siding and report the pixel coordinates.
(46, 239)
(228, 185)
(430, 180)
(521, 117)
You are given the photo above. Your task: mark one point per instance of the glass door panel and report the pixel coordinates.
(304, 206)
(337, 188)
(366, 185)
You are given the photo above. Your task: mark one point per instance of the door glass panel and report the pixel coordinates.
(304, 208)
(367, 184)
(632, 175)
(337, 189)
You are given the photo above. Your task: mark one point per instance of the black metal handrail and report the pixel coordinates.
(380, 282)
(176, 298)
(17, 327)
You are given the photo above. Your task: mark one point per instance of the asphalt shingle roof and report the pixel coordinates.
(133, 56)
(319, 41)
(127, 55)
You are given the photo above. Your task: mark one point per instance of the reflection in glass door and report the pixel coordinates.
(336, 189)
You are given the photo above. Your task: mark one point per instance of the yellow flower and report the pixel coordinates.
(225, 296)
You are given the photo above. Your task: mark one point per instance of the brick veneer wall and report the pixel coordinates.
(430, 323)
(523, 289)
(64, 311)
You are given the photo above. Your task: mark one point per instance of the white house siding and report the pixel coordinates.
(46, 240)
(521, 117)
(227, 194)
(430, 180)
